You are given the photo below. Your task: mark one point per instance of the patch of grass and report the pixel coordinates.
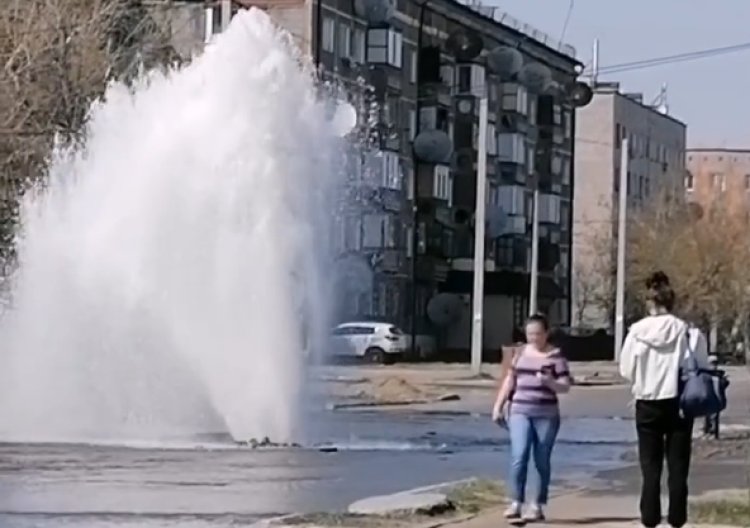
(726, 512)
(466, 499)
(477, 495)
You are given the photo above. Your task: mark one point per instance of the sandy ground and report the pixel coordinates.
(600, 393)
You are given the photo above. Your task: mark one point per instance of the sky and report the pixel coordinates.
(711, 95)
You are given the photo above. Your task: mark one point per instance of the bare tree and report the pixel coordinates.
(705, 253)
(56, 57)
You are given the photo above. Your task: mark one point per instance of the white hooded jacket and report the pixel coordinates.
(653, 353)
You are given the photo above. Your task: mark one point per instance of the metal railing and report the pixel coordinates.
(505, 19)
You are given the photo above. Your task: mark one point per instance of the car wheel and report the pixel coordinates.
(390, 359)
(374, 355)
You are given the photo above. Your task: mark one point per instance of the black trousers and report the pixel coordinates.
(663, 434)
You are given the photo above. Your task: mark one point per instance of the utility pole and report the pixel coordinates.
(534, 276)
(621, 241)
(479, 241)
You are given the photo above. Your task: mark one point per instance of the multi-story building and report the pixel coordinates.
(720, 178)
(402, 59)
(656, 164)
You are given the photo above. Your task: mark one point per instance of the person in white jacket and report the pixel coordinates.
(655, 350)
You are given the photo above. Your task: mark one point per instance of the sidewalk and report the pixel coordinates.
(575, 510)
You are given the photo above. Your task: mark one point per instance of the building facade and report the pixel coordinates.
(656, 164)
(403, 60)
(719, 178)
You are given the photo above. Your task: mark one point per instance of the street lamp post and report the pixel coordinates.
(415, 186)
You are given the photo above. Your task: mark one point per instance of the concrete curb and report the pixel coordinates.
(277, 522)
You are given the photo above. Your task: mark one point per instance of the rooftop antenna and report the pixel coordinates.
(595, 66)
(662, 101)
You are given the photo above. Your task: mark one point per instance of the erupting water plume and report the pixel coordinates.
(163, 268)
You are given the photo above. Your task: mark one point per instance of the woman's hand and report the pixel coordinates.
(497, 413)
(544, 377)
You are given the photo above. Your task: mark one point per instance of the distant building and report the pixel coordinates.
(719, 178)
(529, 136)
(656, 165)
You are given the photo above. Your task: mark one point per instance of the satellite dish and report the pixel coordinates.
(465, 45)
(344, 119)
(535, 76)
(505, 61)
(580, 94)
(375, 11)
(497, 220)
(444, 309)
(433, 146)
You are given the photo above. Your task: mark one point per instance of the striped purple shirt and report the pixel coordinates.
(530, 396)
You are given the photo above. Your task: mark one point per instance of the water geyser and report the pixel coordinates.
(162, 268)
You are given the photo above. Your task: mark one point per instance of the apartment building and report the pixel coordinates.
(656, 164)
(719, 178)
(530, 138)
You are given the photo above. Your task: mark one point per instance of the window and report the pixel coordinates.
(512, 199)
(385, 46)
(345, 41)
(718, 181)
(378, 231)
(395, 49)
(689, 181)
(443, 184)
(413, 66)
(350, 233)
(747, 182)
(557, 114)
(491, 140)
(358, 45)
(641, 187)
(516, 99)
(618, 137)
(567, 124)
(505, 252)
(565, 176)
(530, 159)
(412, 124)
(511, 148)
(565, 215)
(328, 37)
(392, 174)
(471, 79)
(549, 208)
(447, 74)
(433, 117)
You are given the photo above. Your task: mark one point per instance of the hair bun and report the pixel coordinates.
(657, 279)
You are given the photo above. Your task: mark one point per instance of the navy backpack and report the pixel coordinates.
(703, 392)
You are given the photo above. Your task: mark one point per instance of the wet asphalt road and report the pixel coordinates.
(203, 483)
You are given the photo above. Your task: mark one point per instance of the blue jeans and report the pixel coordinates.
(531, 435)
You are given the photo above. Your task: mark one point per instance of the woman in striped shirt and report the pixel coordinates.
(538, 374)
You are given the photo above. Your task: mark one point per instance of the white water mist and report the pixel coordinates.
(163, 269)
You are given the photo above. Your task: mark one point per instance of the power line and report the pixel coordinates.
(672, 59)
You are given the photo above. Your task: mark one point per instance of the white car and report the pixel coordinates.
(375, 342)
